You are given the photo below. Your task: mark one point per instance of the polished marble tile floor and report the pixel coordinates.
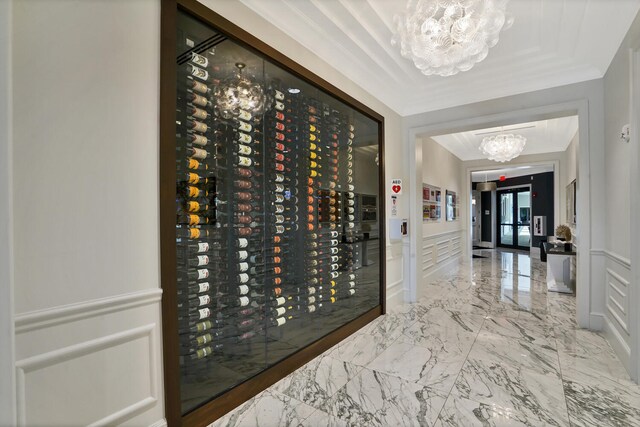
(485, 345)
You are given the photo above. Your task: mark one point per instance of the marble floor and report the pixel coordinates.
(485, 345)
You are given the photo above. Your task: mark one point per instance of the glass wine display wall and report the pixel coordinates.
(273, 250)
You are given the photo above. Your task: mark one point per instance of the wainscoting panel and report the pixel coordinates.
(95, 363)
(395, 273)
(617, 282)
(438, 250)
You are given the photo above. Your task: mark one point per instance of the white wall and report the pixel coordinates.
(85, 179)
(619, 189)
(7, 378)
(242, 16)
(442, 242)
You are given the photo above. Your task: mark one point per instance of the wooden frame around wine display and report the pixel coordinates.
(225, 402)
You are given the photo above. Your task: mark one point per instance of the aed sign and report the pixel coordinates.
(396, 187)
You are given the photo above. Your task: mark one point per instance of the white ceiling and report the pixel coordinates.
(546, 136)
(552, 43)
(511, 172)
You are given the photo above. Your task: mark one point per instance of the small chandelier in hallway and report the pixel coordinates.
(502, 147)
(445, 37)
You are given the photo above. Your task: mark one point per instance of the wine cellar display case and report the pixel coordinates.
(271, 214)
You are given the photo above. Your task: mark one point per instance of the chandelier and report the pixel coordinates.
(447, 36)
(239, 93)
(502, 147)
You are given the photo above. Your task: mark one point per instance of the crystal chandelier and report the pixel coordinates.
(447, 36)
(239, 93)
(502, 147)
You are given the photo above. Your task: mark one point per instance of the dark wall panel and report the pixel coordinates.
(485, 205)
(542, 200)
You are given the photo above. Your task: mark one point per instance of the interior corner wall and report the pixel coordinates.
(7, 378)
(442, 241)
(85, 179)
(251, 22)
(620, 326)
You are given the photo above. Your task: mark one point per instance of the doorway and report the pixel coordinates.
(514, 219)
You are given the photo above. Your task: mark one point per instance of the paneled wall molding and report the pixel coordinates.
(617, 341)
(445, 233)
(394, 250)
(395, 288)
(625, 262)
(72, 312)
(438, 250)
(28, 365)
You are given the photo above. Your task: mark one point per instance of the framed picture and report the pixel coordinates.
(430, 203)
(451, 205)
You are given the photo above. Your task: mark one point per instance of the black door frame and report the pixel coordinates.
(516, 216)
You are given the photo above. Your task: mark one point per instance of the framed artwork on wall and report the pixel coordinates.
(451, 205)
(431, 196)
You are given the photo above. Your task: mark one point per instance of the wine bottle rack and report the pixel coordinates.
(262, 234)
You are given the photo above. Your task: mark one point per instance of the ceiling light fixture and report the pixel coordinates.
(486, 186)
(445, 37)
(502, 147)
(239, 93)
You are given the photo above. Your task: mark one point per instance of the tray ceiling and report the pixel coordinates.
(552, 43)
(545, 136)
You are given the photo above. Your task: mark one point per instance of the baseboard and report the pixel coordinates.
(617, 342)
(395, 294)
(596, 322)
(159, 423)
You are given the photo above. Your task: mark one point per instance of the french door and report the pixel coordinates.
(514, 218)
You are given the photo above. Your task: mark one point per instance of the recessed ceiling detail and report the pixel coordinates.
(552, 43)
(545, 136)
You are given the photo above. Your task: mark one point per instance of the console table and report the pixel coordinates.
(559, 268)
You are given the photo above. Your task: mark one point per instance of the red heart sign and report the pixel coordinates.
(396, 188)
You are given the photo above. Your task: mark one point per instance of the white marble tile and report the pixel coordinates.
(491, 348)
(390, 326)
(318, 380)
(322, 419)
(436, 369)
(359, 349)
(605, 404)
(445, 331)
(539, 398)
(522, 329)
(269, 409)
(461, 412)
(375, 399)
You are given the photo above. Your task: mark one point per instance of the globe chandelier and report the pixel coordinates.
(445, 37)
(502, 147)
(239, 93)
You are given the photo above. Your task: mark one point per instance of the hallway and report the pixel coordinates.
(484, 345)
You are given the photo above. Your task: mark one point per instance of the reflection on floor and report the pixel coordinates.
(485, 345)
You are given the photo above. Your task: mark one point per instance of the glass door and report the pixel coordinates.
(514, 207)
